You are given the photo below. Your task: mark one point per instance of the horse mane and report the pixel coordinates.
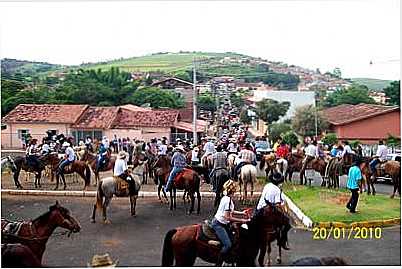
(42, 219)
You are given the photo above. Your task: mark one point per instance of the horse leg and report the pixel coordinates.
(269, 254)
(174, 197)
(93, 214)
(252, 189)
(192, 202)
(64, 181)
(261, 257)
(199, 201)
(245, 191)
(16, 182)
(133, 203)
(279, 258)
(57, 180)
(171, 199)
(104, 207)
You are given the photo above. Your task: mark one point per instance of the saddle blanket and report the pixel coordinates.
(11, 228)
(122, 185)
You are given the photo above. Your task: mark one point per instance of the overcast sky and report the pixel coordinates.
(313, 34)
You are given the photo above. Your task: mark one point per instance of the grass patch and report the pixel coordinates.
(322, 204)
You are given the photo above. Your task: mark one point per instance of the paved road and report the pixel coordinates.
(138, 241)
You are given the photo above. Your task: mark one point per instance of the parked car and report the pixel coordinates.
(262, 148)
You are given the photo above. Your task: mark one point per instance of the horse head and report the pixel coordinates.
(11, 163)
(63, 218)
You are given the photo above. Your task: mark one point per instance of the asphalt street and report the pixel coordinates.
(138, 241)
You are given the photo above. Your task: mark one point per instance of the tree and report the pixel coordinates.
(157, 98)
(330, 139)
(236, 100)
(303, 122)
(244, 118)
(277, 130)
(353, 95)
(337, 72)
(290, 138)
(393, 93)
(393, 141)
(206, 102)
(270, 110)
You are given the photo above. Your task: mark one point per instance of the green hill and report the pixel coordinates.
(372, 83)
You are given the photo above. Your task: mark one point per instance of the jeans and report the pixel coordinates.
(373, 164)
(99, 162)
(33, 160)
(172, 175)
(351, 205)
(223, 235)
(63, 164)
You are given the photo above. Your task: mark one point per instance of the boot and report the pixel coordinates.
(284, 236)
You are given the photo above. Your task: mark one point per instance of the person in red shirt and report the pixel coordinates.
(281, 155)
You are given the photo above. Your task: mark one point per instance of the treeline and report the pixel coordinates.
(94, 87)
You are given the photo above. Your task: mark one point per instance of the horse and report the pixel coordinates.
(220, 177)
(35, 234)
(337, 167)
(162, 169)
(208, 162)
(268, 161)
(248, 174)
(184, 244)
(231, 163)
(7, 164)
(18, 256)
(91, 160)
(110, 186)
(189, 181)
(391, 168)
(295, 163)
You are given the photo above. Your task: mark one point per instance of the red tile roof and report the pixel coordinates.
(343, 114)
(34, 113)
(136, 108)
(154, 118)
(187, 126)
(97, 118)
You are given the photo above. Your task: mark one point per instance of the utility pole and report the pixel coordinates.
(195, 140)
(315, 116)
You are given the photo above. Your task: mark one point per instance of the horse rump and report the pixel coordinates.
(167, 253)
(99, 196)
(18, 256)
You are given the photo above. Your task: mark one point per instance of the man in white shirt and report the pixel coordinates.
(347, 149)
(311, 153)
(69, 158)
(121, 170)
(380, 156)
(272, 196)
(162, 149)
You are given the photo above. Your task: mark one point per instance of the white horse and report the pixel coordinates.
(248, 174)
(7, 164)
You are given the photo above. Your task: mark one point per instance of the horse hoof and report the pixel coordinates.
(65, 187)
(278, 260)
(392, 196)
(133, 215)
(106, 221)
(93, 221)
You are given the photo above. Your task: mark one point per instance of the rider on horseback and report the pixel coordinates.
(209, 148)
(232, 148)
(380, 156)
(45, 149)
(68, 158)
(102, 154)
(178, 163)
(272, 196)
(162, 148)
(223, 218)
(311, 154)
(281, 153)
(247, 156)
(32, 153)
(120, 169)
(219, 160)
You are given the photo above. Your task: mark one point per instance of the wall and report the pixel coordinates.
(9, 136)
(370, 130)
(142, 133)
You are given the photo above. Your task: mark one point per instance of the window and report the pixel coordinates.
(22, 133)
(83, 134)
(53, 132)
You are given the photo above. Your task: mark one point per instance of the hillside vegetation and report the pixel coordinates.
(372, 83)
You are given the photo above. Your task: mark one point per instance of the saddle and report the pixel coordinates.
(11, 227)
(178, 180)
(207, 234)
(122, 185)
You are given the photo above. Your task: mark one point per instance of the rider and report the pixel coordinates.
(209, 148)
(281, 153)
(88, 143)
(219, 160)
(101, 156)
(69, 157)
(45, 146)
(32, 153)
(311, 154)
(178, 163)
(223, 218)
(347, 148)
(272, 195)
(195, 160)
(232, 148)
(120, 169)
(277, 144)
(246, 156)
(320, 151)
(162, 149)
(380, 156)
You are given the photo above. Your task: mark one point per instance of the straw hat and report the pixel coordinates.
(229, 186)
(122, 155)
(102, 261)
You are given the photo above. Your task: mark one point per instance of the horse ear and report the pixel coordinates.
(57, 203)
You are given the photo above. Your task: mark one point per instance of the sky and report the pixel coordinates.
(312, 34)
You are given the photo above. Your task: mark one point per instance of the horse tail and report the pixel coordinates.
(167, 253)
(87, 175)
(262, 163)
(99, 195)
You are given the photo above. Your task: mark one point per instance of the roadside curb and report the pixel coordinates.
(307, 222)
(142, 194)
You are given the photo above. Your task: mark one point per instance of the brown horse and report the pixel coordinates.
(18, 255)
(268, 161)
(295, 163)
(161, 169)
(336, 168)
(35, 234)
(189, 181)
(90, 159)
(183, 245)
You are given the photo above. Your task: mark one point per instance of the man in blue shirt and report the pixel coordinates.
(178, 163)
(354, 179)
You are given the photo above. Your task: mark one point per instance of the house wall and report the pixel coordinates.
(142, 133)
(370, 130)
(9, 136)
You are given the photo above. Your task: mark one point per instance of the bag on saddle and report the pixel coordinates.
(179, 179)
(121, 184)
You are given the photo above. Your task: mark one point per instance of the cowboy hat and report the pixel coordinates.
(229, 186)
(102, 261)
(180, 147)
(65, 144)
(277, 178)
(196, 148)
(122, 155)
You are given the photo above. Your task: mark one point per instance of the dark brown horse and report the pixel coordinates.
(295, 163)
(161, 169)
(18, 256)
(184, 244)
(90, 159)
(336, 168)
(35, 234)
